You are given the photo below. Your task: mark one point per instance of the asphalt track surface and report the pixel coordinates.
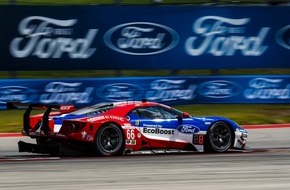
(265, 166)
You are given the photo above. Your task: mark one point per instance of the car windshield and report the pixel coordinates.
(177, 112)
(97, 108)
(157, 112)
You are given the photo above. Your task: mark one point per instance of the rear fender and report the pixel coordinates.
(42, 120)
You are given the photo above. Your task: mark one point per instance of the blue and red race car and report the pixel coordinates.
(118, 128)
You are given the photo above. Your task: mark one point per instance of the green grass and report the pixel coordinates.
(128, 73)
(243, 113)
(11, 120)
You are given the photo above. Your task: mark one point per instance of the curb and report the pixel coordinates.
(248, 127)
(10, 135)
(267, 126)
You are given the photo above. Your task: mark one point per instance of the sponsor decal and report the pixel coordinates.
(59, 135)
(129, 126)
(152, 125)
(137, 122)
(17, 94)
(90, 138)
(105, 117)
(139, 135)
(219, 89)
(169, 90)
(265, 88)
(66, 109)
(65, 92)
(114, 117)
(131, 142)
(84, 134)
(158, 131)
(205, 119)
(283, 37)
(98, 118)
(188, 129)
(120, 92)
(141, 38)
(45, 37)
(220, 36)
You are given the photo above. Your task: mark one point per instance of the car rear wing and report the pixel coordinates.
(47, 107)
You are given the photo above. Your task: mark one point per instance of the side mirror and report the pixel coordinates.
(185, 115)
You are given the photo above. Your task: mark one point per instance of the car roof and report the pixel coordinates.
(122, 108)
(135, 103)
(115, 108)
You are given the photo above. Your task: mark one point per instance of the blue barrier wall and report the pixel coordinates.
(144, 37)
(167, 90)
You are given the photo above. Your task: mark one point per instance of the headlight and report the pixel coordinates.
(244, 135)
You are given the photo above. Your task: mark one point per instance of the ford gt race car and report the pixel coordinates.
(118, 128)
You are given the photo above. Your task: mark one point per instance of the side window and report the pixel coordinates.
(147, 113)
(141, 113)
(154, 112)
(168, 114)
(134, 112)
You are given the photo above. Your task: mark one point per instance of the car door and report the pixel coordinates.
(158, 125)
(167, 128)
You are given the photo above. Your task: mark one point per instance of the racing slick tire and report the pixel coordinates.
(109, 140)
(219, 137)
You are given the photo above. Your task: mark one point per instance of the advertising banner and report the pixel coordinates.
(144, 37)
(167, 90)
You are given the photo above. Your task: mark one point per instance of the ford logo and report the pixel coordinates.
(283, 37)
(219, 89)
(141, 38)
(120, 92)
(188, 129)
(17, 94)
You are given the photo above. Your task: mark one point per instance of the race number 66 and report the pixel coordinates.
(130, 134)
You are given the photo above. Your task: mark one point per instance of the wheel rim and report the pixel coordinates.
(110, 139)
(221, 137)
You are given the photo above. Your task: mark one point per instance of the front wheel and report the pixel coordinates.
(109, 140)
(219, 137)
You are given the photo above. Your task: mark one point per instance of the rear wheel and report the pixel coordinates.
(109, 140)
(219, 137)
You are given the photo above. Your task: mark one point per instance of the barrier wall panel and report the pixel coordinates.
(144, 37)
(167, 90)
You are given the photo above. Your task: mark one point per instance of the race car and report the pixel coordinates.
(118, 128)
